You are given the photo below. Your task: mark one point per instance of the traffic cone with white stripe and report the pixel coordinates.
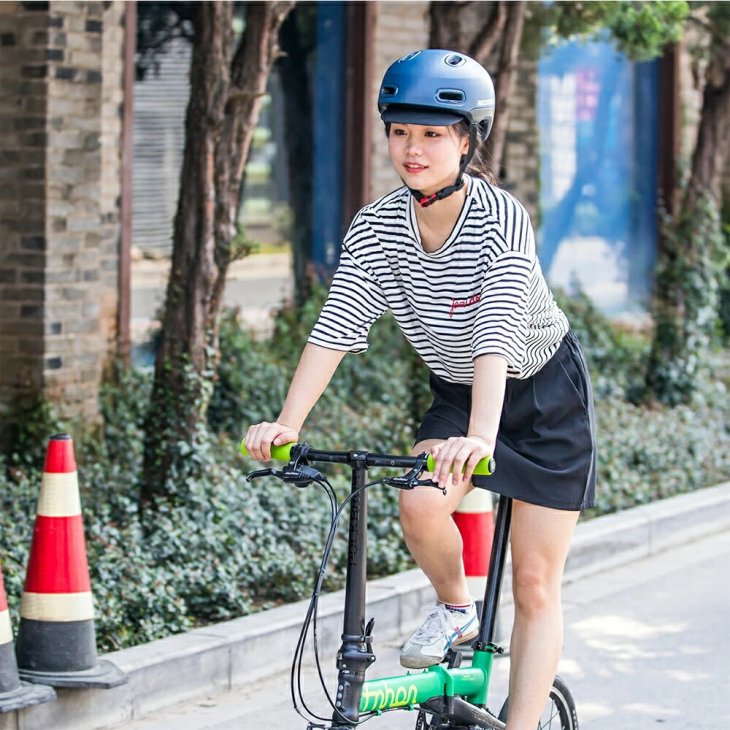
(475, 520)
(57, 639)
(14, 694)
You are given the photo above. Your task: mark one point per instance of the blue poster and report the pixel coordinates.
(598, 125)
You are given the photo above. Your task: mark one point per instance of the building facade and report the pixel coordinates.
(61, 81)
(90, 157)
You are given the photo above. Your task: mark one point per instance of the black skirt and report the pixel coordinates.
(546, 445)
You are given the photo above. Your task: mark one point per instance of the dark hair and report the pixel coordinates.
(479, 165)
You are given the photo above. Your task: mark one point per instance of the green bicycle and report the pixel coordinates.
(450, 696)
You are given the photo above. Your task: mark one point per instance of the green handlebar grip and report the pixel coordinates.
(484, 468)
(283, 453)
(278, 453)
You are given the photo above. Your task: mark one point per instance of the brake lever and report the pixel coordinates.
(412, 479)
(262, 473)
(299, 475)
(430, 483)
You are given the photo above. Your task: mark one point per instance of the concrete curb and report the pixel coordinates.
(187, 666)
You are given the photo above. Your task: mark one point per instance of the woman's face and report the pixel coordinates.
(426, 158)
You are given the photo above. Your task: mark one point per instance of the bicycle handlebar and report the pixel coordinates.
(485, 467)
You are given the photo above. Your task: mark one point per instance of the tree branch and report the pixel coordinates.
(508, 57)
(484, 43)
(445, 25)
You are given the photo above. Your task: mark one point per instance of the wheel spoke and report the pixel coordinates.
(560, 708)
(548, 723)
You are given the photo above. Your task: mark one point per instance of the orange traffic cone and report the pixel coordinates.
(475, 520)
(57, 639)
(14, 694)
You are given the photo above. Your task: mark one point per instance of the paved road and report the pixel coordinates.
(646, 646)
(256, 285)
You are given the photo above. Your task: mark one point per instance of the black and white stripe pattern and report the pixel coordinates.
(481, 293)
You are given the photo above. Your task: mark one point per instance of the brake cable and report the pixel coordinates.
(302, 475)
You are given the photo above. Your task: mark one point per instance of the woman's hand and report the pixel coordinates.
(457, 454)
(262, 436)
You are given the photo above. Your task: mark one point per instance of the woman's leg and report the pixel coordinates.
(432, 536)
(540, 541)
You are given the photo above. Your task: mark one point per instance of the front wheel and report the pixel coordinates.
(559, 712)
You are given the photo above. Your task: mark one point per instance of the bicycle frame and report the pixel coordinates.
(355, 694)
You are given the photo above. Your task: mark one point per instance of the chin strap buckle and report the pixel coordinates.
(425, 200)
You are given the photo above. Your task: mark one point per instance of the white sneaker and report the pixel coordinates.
(441, 630)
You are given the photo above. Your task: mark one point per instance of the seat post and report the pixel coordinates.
(498, 557)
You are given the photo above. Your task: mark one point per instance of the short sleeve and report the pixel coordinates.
(500, 326)
(355, 298)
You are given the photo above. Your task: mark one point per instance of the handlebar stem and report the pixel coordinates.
(354, 656)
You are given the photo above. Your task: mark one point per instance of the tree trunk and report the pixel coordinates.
(686, 298)
(445, 25)
(488, 36)
(502, 29)
(224, 105)
(446, 29)
(509, 54)
(713, 135)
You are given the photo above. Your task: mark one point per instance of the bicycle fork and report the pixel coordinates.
(355, 654)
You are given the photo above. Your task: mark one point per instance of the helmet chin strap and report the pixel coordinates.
(425, 200)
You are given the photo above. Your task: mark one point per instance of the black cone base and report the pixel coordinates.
(104, 675)
(25, 695)
(55, 646)
(63, 654)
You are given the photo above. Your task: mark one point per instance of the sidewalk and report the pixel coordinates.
(256, 285)
(189, 666)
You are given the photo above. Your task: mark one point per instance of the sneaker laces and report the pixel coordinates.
(435, 625)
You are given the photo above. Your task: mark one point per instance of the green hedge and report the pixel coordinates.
(227, 548)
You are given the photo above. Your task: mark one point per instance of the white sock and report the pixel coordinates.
(458, 607)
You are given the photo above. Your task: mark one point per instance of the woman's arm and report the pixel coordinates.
(490, 377)
(487, 397)
(316, 367)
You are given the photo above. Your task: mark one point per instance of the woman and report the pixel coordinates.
(453, 257)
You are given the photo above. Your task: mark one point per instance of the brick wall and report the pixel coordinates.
(23, 100)
(60, 87)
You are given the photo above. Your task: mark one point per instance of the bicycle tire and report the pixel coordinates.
(560, 708)
(461, 714)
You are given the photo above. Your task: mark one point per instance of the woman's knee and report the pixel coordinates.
(540, 541)
(418, 512)
(535, 590)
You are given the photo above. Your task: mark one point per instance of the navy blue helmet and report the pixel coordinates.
(437, 87)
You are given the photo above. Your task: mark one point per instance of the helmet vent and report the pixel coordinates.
(450, 96)
(454, 59)
(389, 91)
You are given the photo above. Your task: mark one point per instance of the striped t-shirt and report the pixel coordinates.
(482, 292)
